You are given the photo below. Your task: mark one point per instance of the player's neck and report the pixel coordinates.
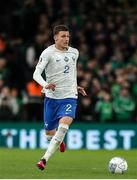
(61, 48)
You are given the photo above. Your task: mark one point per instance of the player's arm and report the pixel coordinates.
(37, 75)
(81, 90)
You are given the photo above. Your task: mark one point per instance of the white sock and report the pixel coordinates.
(49, 137)
(56, 140)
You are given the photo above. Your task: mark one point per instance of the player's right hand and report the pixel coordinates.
(51, 86)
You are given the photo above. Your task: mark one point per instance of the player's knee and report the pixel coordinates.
(61, 132)
(65, 120)
(63, 128)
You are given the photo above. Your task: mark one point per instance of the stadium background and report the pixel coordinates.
(105, 32)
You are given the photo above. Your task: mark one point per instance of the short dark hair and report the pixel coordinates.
(59, 28)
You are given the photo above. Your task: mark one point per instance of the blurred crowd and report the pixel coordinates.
(104, 31)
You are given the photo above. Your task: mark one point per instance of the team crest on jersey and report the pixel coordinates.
(66, 59)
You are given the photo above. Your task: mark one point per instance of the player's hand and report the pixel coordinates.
(81, 91)
(51, 86)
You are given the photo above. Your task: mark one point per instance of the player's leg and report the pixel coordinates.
(49, 124)
(58, 137)
(49, 134)
(64, 122)
(53, 146)
(66, 113)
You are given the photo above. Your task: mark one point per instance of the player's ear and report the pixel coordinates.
(55, 37)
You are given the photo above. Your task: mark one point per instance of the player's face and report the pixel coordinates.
(62, 39)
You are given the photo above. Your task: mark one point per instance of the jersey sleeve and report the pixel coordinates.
(42, 63)
(77, 54)
(43, 60)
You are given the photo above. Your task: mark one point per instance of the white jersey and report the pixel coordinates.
(60, 68)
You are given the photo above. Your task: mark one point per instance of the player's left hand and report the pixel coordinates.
(81, 91)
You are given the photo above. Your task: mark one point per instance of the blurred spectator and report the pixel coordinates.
(33, 106)
(104, 108)
(9, 107)
(4, 72)
(18, 101)
(85, 110)
(124, 106)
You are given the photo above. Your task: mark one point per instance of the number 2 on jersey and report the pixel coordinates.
(66, 69)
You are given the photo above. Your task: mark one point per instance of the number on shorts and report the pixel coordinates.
(68, 107)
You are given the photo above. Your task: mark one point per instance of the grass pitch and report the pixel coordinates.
(78, 164)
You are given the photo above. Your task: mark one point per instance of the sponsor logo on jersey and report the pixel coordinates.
(67, 112)
(57, 60)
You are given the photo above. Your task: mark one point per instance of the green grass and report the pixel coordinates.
(80, 164)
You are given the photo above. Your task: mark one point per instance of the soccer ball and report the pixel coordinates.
(118, 165)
